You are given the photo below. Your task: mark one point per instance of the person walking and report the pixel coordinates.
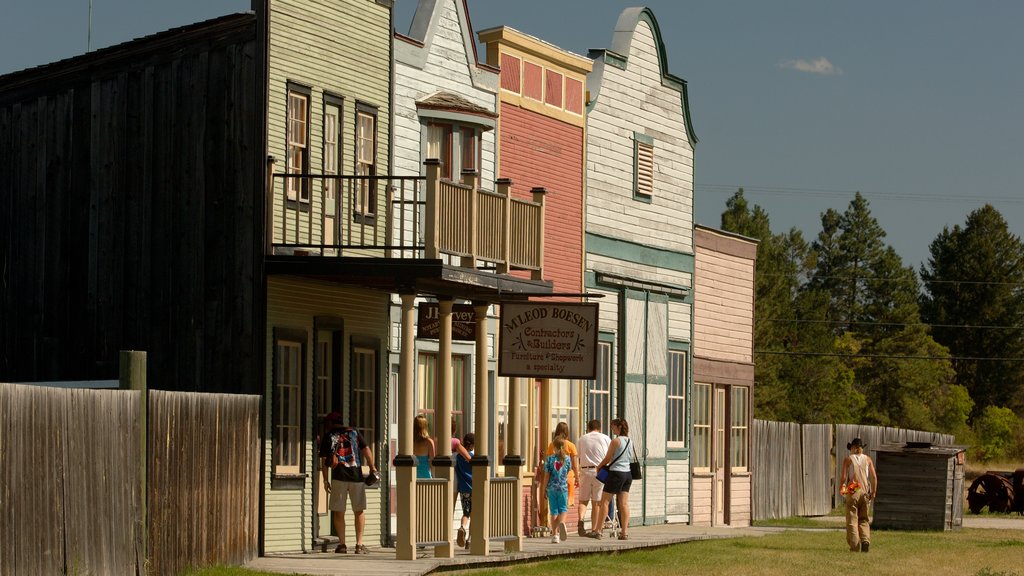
(343, 452)
(556, 473)
(620, 452)
(858, 482)
(422, 447)
(464, 485)
(562, 429)
(592, 447)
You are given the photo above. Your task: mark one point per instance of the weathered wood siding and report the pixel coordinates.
(629, 100)
(677, 487)
(204, 480)
(131, 211)
(639, 250)
(336, 47)
(293, 303)
(442, 63)
(69, 483)
(538, 151)
(739, 500)
(922, 491)
(723, 307)
(701, 500)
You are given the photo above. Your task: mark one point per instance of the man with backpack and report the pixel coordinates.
(343, 453)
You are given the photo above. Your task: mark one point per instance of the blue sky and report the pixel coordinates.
(918, 104)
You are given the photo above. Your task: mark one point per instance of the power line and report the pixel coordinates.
(903, 324)
(884, 356)
(832, 193)
(884, 279)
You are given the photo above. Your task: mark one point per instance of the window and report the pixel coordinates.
(365, 201)
(533, 81)
(565, 405)
(553, 88)
(456, 146)
(643, 166)
(676, 412)
(289, 372)
(599, 399)
(439, 147)
(332, 161)
(740, 418)
(298, 144)
(364, 386)
(701, 447)
(428, 390)
(470, 150)
(510, 71)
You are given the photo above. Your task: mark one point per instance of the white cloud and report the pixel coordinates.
(817, 66)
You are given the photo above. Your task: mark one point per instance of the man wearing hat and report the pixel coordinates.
(858, 470)
(343, 453)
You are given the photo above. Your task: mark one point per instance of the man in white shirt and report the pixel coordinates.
(592, 448)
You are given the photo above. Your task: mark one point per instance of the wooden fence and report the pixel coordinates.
(204, 479)
(796, 465)
(71, 481)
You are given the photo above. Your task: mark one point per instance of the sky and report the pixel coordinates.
(917, 104)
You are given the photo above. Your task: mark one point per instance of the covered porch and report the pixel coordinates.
(449, 241)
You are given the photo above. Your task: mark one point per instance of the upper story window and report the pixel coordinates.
(553, 88)
(365, 201)
(511, 69)
(457, 146)
(298, 144)
(643, 166)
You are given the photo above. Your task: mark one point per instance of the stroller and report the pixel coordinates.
(611, 522)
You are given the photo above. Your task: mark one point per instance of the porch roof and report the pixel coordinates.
(422, 276)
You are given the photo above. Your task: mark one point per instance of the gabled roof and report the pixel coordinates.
(453, 103)
(126, 52)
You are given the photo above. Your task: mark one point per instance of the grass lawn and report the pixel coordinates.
(814, 553)
(794, 552)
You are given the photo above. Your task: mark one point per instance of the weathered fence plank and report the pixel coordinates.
(66, 500)
(204, 479)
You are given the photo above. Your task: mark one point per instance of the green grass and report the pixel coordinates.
(794, 552)
(812, 553)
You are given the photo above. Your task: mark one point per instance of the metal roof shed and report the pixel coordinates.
(921, 487)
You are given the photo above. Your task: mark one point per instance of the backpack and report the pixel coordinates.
(346, 456)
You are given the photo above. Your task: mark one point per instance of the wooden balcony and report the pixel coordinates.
(411, 217)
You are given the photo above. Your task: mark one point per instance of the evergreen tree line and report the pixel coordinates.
(845, 333)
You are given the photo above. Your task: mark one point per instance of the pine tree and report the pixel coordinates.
(974, 295)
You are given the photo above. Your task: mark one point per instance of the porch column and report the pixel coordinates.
(544, 431)
(405, 462)
(480, 527)
(514, 462)
(443, 425)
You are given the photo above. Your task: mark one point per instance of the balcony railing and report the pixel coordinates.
(407, 217)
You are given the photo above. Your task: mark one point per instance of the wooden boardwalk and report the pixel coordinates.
(382, 562)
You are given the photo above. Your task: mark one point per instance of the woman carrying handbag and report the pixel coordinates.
(620, 453)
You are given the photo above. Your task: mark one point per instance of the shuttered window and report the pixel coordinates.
(643, 178)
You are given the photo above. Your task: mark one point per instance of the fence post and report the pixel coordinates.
(133, 377)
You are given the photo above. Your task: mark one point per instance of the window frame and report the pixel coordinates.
(675, 397)
(291, 417)
(643, 167)
(364, 382)
(297, 190)
(739, 429)
(364, 202)
(700, 446)
(599, 393)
